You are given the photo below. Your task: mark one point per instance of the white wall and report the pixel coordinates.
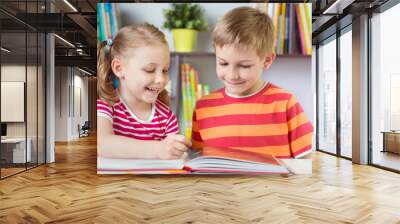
(68, 81)
(17, 73)
(80, 83)
(295, 75)
(61, 103)
(33, 126)
(14, 72)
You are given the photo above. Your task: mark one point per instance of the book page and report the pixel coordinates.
(217, 160)
(240, 155)
(137, 164)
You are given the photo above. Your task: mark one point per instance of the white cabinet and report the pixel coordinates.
(17, 147)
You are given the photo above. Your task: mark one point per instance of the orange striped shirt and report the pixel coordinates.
(270, 121)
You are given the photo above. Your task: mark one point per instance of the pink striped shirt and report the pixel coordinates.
(161, 123)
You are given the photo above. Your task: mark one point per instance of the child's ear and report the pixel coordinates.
(116, 67)
(269, 58)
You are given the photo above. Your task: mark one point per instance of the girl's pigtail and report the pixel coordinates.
(105, 84)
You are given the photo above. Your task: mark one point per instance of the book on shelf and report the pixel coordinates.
(209, 160)
(108, 20)
(293, 30)
(192, 90)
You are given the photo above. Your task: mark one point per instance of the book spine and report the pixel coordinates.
(199, 91)
(184, 97)
(293, 37)
(286, 48)
(301, 35)
(111, 16)
(278, 47)
(188, 101)
(307, 10)
(307, 36)
(192, 88)
(106, 21)
(303, 27)
(283, 23)
(276, 24)
(100, 17)
(271, 9)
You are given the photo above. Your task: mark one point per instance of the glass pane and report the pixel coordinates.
(327, 97)
(32, 9)
(41, 99)
(31, 97)
(22, 81)
(346, 94)
(386, 89)
(13, 73)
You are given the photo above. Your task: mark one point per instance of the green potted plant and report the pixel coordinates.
(185, 21)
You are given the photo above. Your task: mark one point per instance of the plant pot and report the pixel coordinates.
(184, 39)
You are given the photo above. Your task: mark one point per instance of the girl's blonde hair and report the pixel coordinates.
(248, 27)
(127, 38)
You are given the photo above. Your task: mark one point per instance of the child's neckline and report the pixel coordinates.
(149, 119)
(266, 83)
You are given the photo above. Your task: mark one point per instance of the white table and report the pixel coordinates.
(19, 155)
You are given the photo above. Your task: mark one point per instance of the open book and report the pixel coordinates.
(206, 161)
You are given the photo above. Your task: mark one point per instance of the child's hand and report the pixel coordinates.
(173, 147)
(185, 156)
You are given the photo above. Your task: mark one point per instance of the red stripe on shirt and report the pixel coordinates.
(300, 151)
(263, 98)
(248, 141)
(244, 119)
(300, 131)
(294, 110)
(163, 122)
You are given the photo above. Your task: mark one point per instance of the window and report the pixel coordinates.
(346, 93)
(385, 89)
(327, 97)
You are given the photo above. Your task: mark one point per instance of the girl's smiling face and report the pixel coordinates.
(143, 72)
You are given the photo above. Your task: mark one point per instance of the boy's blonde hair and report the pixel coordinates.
(127, 39)
(247, 27)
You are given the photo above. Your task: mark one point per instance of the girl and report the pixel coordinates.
(134, 120)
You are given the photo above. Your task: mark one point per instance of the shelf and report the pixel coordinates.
(193, 54)
(292, 56)
(209, 54)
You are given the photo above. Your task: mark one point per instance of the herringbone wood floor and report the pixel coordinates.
(69, 191)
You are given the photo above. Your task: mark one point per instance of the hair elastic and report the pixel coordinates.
(109, 42)
(115, 81)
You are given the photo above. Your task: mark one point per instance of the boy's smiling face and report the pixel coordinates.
(240, 68)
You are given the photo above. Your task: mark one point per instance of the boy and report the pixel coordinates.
(249, 113)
